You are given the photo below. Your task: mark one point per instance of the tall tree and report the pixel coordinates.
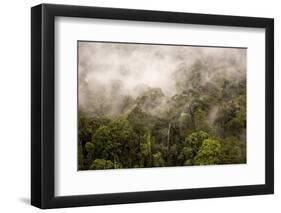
(209, 153)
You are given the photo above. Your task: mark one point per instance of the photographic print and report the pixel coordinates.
(160, 105)
(107, 106)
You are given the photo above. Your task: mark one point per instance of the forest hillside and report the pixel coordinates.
(195, 114)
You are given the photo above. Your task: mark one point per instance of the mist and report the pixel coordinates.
(111, 74)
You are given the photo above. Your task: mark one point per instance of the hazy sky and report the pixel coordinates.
(121, 69)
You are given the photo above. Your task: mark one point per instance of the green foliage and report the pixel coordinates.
(146, 149)
(231, 118)
(102, 142)
(200, 118)
(89, 147)
(102, 164)
(233, 151)
(195, 139)
(84, 130)
(138, 120)
(150, 99)
(80, 158)
(191, 146)
(158, 160)
(204, 123)
(209, 153)
(186, 156)
(115, 142)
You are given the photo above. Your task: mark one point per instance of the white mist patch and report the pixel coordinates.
(110, 72)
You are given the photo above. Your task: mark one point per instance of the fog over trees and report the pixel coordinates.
(160, 105)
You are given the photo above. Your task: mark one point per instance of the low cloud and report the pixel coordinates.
(110, 73)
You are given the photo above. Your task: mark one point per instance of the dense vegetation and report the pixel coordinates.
(203, 123)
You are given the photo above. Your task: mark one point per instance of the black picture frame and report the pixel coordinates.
(43, 102)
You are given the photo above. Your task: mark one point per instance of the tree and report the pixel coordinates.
(231, 119)
(195, 139)
(102, 144)
(191, 146)
(139, 120)
(87, 127)
(115, 142)
(200, 119)
(172, 157)
(89, 148)
(158, 160)
(201, 122)
(81, 165)
(84, 132)
(102, 164)
(146, 149)
(124, 142)
(88, 158)
(209, 153)
(150, 99)
(186, 156)
(233, 151)
(184, 123)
